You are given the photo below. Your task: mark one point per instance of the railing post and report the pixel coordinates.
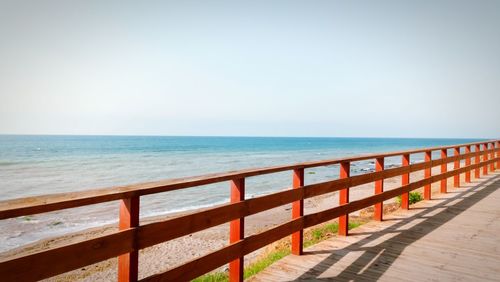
(477, 171)
(467, 163)
(405, 180)
(345, 170)
(379, 188)
(492, 156)
(237, 229)
(456, 165)
(498, 155)
(297, 212)
(444, 168)
(427, 174)
(485, 158)
(128, 264)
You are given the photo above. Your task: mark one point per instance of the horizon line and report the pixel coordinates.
(240, 136)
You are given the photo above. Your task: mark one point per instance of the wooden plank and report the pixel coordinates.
(444, 168)
(345, 171)
(405, 179)
(492, 156)
(237, 230)
(456, 165)
(297, 212)
(128, 264)
(47, 203)
(467, 163)
(477, 160)
(55, 261)
(498, 154)
(379, 188)
(485, 158)
(427, 174)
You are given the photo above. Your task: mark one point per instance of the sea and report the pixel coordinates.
(32, 165)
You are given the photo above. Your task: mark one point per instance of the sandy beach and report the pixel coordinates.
(167, 255)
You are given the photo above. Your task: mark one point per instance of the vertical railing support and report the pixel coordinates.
(297, 212)
(379, 188)
(456, 165)
(498, 155)
(345, 171)
(405, 180)
(477, 171)
(492, 156)
(444, 168)
(128, 264)
(485, 158)
(427, 174)
(237, 229)
(467, 163)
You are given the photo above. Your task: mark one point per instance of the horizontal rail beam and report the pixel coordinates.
(162, 231)
(206, 263)
(36, 266)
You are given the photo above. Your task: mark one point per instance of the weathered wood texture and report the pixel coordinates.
(345, 171)
(128, 264)
(297, 212)
(405, 179)
(454, 237)
(379, 188)
(133, 237)
(237, 230)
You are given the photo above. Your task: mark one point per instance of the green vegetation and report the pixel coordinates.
(311, 172)
(311, 237)
(326, 231)
(414, 197)
(213, 277)
(261, 264)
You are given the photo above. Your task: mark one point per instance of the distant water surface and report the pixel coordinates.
(36, 165)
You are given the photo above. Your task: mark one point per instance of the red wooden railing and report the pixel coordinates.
(132, 236)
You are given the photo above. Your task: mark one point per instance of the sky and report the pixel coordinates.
(251, 68)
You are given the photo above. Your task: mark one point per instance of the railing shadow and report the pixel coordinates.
(373, 263)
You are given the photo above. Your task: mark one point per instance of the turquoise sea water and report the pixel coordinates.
(35, 165)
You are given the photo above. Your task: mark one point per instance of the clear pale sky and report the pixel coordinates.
(259, 68)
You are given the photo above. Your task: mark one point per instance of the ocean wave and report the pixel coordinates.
(7, 163)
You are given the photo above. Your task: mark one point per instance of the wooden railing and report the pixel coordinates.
(133, 236)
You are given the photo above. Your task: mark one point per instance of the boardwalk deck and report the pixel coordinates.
(454, 237)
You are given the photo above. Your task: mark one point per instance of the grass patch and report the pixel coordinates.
(261, 264)
(414, 198)
(326, 231)
(213, 277)
(311, 237)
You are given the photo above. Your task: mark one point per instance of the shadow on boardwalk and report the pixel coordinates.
(377, 259)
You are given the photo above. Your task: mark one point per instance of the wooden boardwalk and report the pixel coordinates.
(453, 237)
